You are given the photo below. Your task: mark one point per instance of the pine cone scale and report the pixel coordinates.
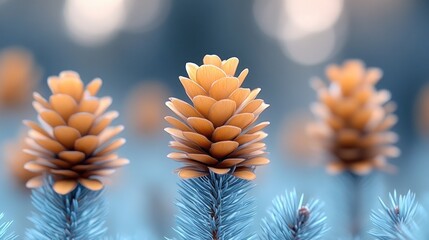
(52, 118)
(72, 156)
(64, 105)
(198, 139)
(82, 122)
(64, 186)
(206, 75)
(200, 125)
(225, 132)
(221, 111)
(202, 158)
(223, 87)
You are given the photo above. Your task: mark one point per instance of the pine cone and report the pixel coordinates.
(217, 132)
(355, 119)
(72, 141)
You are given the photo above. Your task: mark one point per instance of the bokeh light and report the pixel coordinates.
(313, 15)
(306, 30)
(312, 48)
(145, 15)
(94, 22)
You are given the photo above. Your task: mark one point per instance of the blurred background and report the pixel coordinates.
(140, 47)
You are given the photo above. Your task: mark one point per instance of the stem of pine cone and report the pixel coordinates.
(69, 200)
(355, 205)
(215, 207)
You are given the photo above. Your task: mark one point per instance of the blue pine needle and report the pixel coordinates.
(396, 220)
(291, 219)
(77, 215)
(215, 207)
(5, 234)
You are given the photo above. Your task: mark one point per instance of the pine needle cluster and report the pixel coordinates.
(396, 219)
(77, 215)
(216, 207)
(5, 233)
(292, 219)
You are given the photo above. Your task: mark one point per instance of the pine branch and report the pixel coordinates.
(397, 220)
(291, 219)
(4, 229)
(79, 214)
(215, 207)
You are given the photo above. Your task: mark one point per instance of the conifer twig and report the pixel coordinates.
(292, 219)
(215, 207)
(397, 218)
(79, 214)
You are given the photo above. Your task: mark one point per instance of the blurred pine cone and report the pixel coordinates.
(72, 141)
(422, 113)
(297, 144)
(217, 132)
(145, 108)
(355, 119)
(16, 159)
(18, 77)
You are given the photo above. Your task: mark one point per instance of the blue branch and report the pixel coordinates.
(215, 207)
(291, 219)
(397, 219)
(77, 215)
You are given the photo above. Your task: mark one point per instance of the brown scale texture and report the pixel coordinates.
(217, 132)
(72, 140)
(355, 119)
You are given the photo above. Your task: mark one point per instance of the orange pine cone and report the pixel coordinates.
(217, 132)
(72, 141)
(355, 119)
